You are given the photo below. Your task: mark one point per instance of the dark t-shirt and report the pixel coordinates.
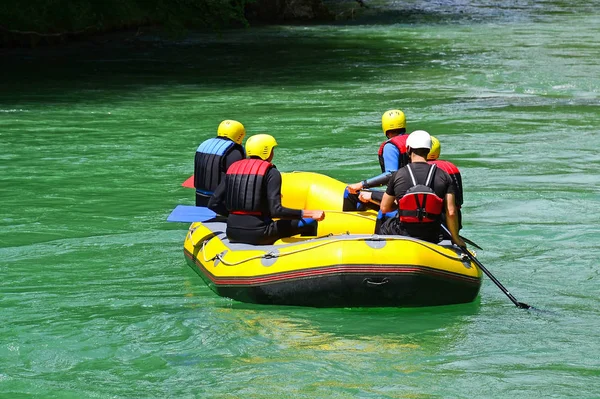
(400, 181)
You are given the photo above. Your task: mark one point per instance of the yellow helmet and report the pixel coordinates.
(231, 129)
(260, 145)
(436, 147)
(393, 119)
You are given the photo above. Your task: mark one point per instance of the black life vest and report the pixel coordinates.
(246, 187)
(454, 173)
(420, 204)
(400, 143)
(211, 161)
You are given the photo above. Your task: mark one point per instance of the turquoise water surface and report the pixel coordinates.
(96, 137)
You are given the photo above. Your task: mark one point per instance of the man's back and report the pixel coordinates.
(400, 181)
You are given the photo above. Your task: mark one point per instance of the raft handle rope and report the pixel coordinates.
(272, 255)
(220, 255)
(465, 257)
(268, 255)
(190, 234)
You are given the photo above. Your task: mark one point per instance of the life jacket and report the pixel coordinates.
(245, 187)
(400, 143)
(210, 162)
(420, 204)
(454, 173)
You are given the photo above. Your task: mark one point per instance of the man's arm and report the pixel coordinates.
(391, 157)
(375, 181)
(452, 219)
(374, 196)
(217, 201)
(391, 160)
(274, 198)
(387, 203)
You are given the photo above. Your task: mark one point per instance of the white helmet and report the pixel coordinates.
(419, 139)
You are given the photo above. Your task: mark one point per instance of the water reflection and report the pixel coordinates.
(357, 323)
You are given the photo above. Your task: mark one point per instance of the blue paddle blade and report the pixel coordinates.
(189, 214)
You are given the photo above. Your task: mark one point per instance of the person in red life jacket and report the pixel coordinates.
(422, 192)
(392, 156)
(250, 195)
(214, 156)
(452, 170)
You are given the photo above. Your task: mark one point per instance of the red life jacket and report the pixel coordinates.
(454, 173)
(420, 204)
(245, 181)
(400, 143)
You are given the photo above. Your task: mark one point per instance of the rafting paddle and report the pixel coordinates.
(520, 305)
(470, 242)
(465, 239)
(189, 183)
(190, 214)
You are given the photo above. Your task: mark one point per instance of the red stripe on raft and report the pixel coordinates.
(327, 270)
(300, 275)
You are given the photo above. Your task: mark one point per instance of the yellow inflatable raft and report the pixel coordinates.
(346, 265)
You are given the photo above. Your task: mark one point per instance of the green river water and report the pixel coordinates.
(97, 301)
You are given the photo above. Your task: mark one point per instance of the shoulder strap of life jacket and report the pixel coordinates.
(414, 207)
(429, 179)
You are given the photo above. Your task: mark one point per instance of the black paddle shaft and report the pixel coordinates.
(518, 304)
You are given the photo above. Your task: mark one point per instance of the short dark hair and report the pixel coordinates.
(401, 130)
(422, 152)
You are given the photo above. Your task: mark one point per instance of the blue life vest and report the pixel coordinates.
(211, 161)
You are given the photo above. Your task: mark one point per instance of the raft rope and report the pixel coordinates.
(271, 254)
(268, 255)
(190, 234)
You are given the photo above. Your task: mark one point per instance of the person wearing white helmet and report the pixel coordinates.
(422, 193)
(214, 156)
(250, 195)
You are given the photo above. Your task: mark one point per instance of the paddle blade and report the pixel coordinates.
(189, 183)
(190, 214)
